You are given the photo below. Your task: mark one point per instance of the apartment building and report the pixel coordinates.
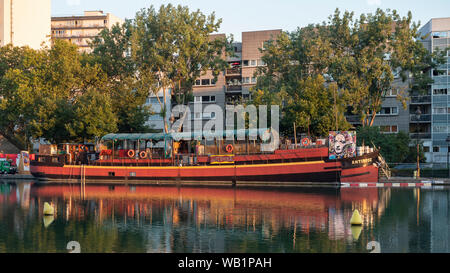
(394, 116)
(80, 30)
(437, 102)
(233, 85)
(25, 23)
(156, 121)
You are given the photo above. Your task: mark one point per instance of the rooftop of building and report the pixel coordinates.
(86, 15)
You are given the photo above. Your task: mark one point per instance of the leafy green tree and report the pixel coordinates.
(40, 95)
(112, 51)
(92, 116)
(361, 56)
(11, 58)
(369, 51)
(172, 47)
(295, 73)
(395, 148)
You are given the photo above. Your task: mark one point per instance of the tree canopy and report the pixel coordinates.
(43, 91)
(358, 59)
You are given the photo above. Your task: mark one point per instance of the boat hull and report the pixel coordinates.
(308, 172)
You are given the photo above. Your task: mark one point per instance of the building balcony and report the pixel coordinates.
(233, 71)
(233, 88)
(421, 100)
(353, 119)
(78, 27)
(414, 136)
(423, 118)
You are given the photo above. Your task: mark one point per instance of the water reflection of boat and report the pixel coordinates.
(309, 206)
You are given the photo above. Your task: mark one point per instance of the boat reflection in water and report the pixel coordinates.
(195, 219)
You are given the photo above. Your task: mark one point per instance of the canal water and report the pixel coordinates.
(163, 219)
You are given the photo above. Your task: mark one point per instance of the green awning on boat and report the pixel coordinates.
(158, 136)
(197, 135)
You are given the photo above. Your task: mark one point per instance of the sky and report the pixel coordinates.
(252, 15)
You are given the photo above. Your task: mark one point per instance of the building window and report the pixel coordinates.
(437, 35)
(253, 63)
(206, 82)
(245, 62)
(253, 79)
(435, 149)
(426, 149)
(388, 111)
(197, 99)
(211, 115)
(440, 129)
(393, 92)
(213, 98)
(439, 110)
(197, 82)
(246, 80)
(440, 91)
(389, 129)
(213, 81)
(439, 72)
(261, 63)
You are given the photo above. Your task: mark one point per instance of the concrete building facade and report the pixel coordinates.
(25, 23)
(233, 85)
(80, 30)
(436, 35)
(156, 121)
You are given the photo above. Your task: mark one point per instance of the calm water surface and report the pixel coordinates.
(194, 219)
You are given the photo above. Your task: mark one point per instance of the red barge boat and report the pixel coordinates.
(137, 158)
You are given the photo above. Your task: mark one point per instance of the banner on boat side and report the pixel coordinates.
(342, 144)
(222, 159)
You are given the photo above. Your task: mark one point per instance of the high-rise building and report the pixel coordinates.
(437, 103)
(232, 85)
(80, 30)
(25, 22)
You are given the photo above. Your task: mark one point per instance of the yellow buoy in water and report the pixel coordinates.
(356, 232)
(48, 220)
(48, 209)
(356, 219)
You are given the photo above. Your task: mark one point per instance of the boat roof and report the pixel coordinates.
(196, 135)
(157, 136)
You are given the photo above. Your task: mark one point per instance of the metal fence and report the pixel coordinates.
(428, 170)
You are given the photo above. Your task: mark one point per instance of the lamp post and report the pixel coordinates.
(448, 153)
(418, 114)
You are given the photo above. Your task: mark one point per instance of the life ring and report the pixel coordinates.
(229, 148)
(143, 154)
(130, 153)
(306, 142)
(81, 148)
